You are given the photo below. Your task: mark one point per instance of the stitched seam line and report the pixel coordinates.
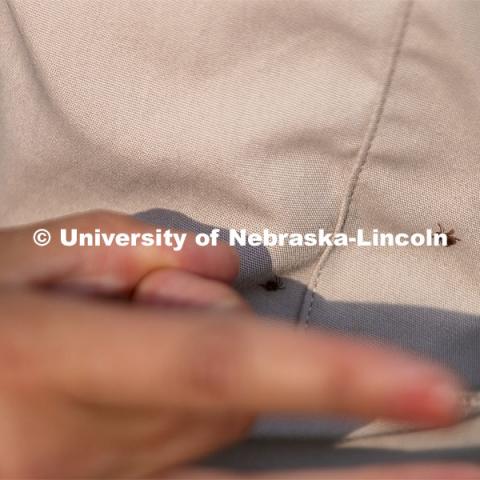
(363, 152)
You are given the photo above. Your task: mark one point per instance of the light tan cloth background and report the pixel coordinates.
(292, 115)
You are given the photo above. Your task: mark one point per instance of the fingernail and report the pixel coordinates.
(225, 305)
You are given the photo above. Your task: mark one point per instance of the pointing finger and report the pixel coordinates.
(223, 361)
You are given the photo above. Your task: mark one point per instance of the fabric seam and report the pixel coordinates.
(363, 153)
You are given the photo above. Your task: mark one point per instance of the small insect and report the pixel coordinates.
(274, 284)
(451, 238)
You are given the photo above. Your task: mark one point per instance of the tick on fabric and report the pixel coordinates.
(451, 238)
(274, 284)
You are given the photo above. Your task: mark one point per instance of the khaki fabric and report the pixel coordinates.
(288, 115)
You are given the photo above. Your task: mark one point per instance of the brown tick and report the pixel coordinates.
(274, 284)
(451, 238)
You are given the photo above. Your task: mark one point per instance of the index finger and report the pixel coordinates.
(230, 361)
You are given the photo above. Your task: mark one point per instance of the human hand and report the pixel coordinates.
(97, 387)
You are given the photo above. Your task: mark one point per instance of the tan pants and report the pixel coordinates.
(292, 115)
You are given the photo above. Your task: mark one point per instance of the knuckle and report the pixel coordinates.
(215, 362)
(335, 387)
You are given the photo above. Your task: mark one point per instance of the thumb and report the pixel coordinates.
(177, 288)
(109, 269)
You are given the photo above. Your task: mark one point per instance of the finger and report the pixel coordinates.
(177, 288)
(132, 356)
(107, 268)
(424, 471)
